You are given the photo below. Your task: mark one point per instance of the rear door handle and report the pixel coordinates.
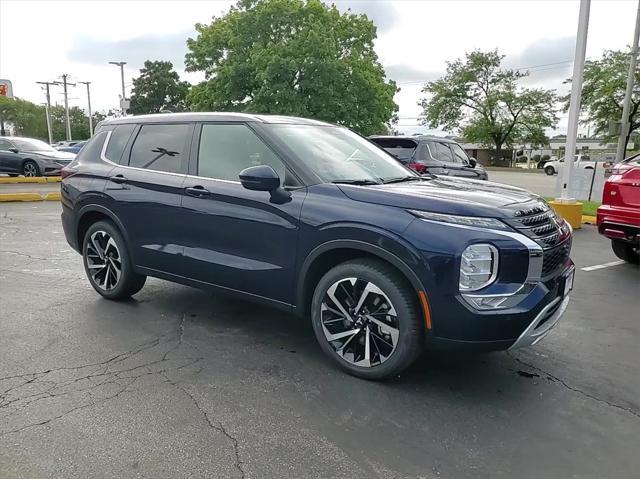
(118, 179)
(196, 191)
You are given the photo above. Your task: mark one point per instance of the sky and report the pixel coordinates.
(40, 40)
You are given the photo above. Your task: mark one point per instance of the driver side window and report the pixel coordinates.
(5, 145)
(227, 149)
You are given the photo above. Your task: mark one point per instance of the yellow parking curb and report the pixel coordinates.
(38, 179)
(21, 197)
(588, 220)
(53, 196)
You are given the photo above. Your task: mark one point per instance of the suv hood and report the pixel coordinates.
(57, 155)
(448, 195)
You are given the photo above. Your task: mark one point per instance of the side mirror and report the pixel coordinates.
(14, 150)
(472, 162)
(259, 178)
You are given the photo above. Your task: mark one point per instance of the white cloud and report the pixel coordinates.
(39, 40)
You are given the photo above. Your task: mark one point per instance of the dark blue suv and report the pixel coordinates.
(316, 220)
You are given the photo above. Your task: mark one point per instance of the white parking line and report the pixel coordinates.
(603, 265)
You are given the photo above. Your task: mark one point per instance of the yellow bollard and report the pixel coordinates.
(571, 212)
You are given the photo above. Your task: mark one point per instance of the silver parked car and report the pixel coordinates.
(30, 157)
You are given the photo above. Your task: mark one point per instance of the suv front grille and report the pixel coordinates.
(555, 258)
(539, 224)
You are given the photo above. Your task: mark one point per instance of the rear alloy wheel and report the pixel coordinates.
(626, 251)
(107, 263)
(549, 170)
(366, 319)
(30, 169)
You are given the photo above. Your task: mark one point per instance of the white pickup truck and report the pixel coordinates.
(580, 161)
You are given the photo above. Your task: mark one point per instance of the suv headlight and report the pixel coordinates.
(475, 221)
(478, 267)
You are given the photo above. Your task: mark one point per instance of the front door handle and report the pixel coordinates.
(196, 191)
(118, 179)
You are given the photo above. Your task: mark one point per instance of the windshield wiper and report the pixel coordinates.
(403, 178)
(356, 182)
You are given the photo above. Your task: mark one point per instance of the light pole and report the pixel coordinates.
(48, 108)
(65, 84)
(124, 97)
(89, 107)
(626, 106)
(566, 205)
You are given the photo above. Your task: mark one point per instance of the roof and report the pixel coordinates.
(214, 116)
(414, 138)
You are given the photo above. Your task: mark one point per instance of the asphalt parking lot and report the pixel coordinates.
(182, 383)
(538, 182)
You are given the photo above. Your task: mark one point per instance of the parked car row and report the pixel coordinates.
(316, 220)
(29, 157)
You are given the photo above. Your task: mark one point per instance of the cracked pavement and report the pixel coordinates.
(183, 383)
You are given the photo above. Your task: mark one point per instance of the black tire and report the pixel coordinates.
(128, 282)
(408, 323)
(549, 170)
(30, 169)
(626, 251)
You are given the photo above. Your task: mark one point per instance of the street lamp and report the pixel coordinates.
(124, 97)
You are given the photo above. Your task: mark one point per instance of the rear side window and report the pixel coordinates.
(92, 150)
(226, 150)
(401, 148)
(117, 142)
(161, 148)
(440, 151)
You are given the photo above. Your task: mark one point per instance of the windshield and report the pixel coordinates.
(338, 154)
(29, 144)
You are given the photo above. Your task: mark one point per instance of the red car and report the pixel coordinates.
(619, 215)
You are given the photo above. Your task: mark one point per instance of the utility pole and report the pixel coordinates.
(626, 106)
(574, 102)
(89, 106)
(47, 84)
(124, 96)
(65, 84)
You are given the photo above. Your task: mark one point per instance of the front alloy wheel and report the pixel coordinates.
(359, 322)
(30, 169)
(365, 316)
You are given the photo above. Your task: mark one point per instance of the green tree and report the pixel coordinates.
(158, 88)
(603, 89)
(292, 57)
(27, 119)
(485, 102)
(30, 120)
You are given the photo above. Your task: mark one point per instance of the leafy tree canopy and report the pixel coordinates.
(603, 89)
(30, 120)
(485, 102)
(292, 57)
(158, 88)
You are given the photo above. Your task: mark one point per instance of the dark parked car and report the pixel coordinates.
(29, 157)
(75, 148)
(316, 220)
(432, 154)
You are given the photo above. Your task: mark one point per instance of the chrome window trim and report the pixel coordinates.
(104, 158)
